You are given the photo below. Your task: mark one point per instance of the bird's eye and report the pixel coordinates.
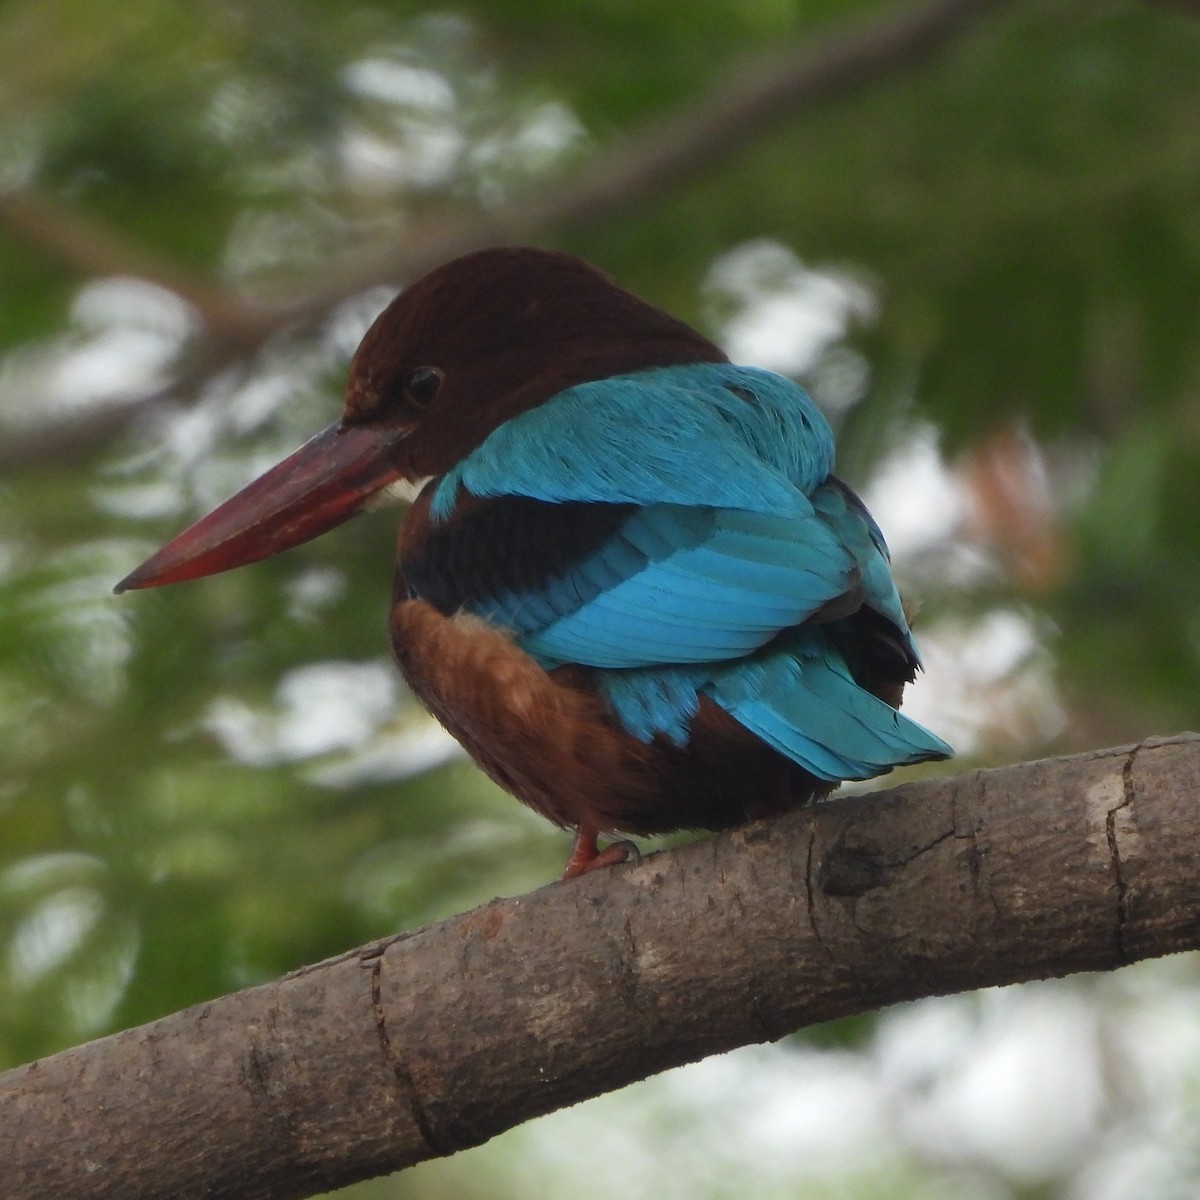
(422, 385)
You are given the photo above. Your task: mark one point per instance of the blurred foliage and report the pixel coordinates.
(1015, 230)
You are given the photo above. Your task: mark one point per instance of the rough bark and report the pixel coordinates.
(438, 1039)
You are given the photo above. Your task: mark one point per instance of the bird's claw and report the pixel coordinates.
(587, 856)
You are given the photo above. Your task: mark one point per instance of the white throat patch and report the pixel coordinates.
(401, 491)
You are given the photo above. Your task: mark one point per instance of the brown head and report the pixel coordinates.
(495, 333)
(463, 349)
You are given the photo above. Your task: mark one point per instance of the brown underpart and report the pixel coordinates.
(549, 739)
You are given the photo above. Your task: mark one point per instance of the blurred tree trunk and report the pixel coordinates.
(436, 1040)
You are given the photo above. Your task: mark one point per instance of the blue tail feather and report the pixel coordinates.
(810, 708)
(798, 697)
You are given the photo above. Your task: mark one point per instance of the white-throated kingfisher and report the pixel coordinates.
(630, 585)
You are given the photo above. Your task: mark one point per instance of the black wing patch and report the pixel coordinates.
(492, 546)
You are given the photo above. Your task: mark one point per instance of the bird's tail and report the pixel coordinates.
(801, 699)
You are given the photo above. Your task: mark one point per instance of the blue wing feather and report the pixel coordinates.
(740, 536)
(855, 528)
(703, 434)
(682, 585)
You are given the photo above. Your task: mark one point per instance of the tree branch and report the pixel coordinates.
(663, 156)
(91, 247)
(708, 131)
(438, 1039)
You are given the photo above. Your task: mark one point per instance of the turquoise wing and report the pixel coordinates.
(726, 547)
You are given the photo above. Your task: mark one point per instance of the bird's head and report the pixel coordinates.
(463, 349)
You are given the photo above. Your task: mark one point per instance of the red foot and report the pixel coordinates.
(587, 856)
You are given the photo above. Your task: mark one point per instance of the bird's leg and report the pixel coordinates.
(586, 855)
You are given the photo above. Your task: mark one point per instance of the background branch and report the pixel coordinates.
(661, 157)
(92, 247)
(679, 147)
(435, 1040)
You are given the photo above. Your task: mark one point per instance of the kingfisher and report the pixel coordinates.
(628, 581)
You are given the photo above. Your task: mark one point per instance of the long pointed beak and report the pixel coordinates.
(329, 479)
